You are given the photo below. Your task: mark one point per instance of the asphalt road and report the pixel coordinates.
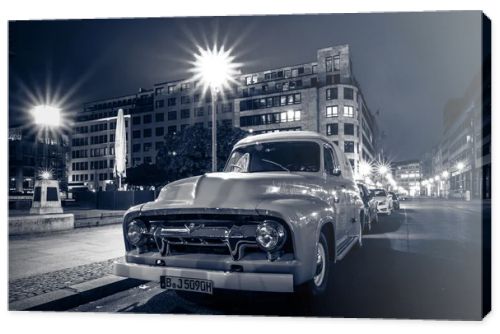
(423, 261)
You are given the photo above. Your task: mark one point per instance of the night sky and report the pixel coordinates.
(408, 65)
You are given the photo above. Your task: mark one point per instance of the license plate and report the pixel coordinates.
(186, 284)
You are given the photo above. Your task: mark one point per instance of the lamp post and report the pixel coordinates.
(216, 69)
(46, 117)
(46, 198)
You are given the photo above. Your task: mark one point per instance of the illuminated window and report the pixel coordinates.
(332, 111)
(348, 111)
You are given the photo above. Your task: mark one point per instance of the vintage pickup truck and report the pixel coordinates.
(281, 214)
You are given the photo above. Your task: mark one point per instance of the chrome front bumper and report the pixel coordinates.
(268, 282)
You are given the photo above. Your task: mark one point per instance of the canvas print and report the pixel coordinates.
(333, 165)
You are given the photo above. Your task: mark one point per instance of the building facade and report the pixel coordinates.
(321, 96)
(408, 175)
(461, 163)
(92, 142)
(30, 153)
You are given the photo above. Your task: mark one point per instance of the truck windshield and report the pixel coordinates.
(297, 156)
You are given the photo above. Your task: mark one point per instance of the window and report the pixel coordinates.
(254, 78)
(160, 103)
(184, 86)
(158, 145)
(146, 133)
(248, 80)
(171, 101)
(328, 64)
(336, 78)
(136, 147)
(147, 119)
(332, 129)
(349, 129)
(332, 93)
(314, 81)
(329, 79)
(171, 89)
(290, 116)
(298, 156)
(348, 146)
(185, 99)
(185, 113)
(196, 98)
(159, 117)
(136, 134)
(198, 111)
(295, 72)
(348, 93)
(172, 129)
(172, 115)
(147, 147)
(147, 160)
(336, 63)
(136, 120)
(159, 131)
(314, 68)
(329, 164)
(332, 111)
(159, 90)
(348, 111)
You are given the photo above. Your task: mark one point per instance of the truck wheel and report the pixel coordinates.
(320, 281)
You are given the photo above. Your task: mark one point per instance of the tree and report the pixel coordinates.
(188, 152)
(146, 175)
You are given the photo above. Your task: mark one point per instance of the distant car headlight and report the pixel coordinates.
(270, 235)
(136, 233)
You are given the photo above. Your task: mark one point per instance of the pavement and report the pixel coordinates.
(43, 263)
(423, 261)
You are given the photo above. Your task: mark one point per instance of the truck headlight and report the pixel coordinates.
(136, 232)
(270, 235)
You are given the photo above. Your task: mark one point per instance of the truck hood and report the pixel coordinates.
(235, 190)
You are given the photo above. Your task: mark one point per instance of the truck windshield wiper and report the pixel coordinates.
(276, 164)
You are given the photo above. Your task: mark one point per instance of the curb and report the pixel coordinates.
(72, 296)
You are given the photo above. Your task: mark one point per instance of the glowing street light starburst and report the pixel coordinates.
(365, 168)
(46, 115)
(215, 68)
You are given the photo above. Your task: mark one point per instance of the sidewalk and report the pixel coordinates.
(47, 262)
(84, 217)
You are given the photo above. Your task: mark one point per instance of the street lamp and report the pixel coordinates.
(382, 169)
(46, 117)
(215, 69)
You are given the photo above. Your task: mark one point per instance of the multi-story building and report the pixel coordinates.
(30, 153)
(461, 163)
(408, 175)
(321, 96)
(92, 141)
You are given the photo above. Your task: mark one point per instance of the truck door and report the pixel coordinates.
(336, 187)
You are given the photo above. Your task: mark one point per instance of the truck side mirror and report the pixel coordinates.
(336, 171)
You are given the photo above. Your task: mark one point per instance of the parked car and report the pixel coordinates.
(384, 201)
(278, 218)
(395, 200)
(370, 205)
